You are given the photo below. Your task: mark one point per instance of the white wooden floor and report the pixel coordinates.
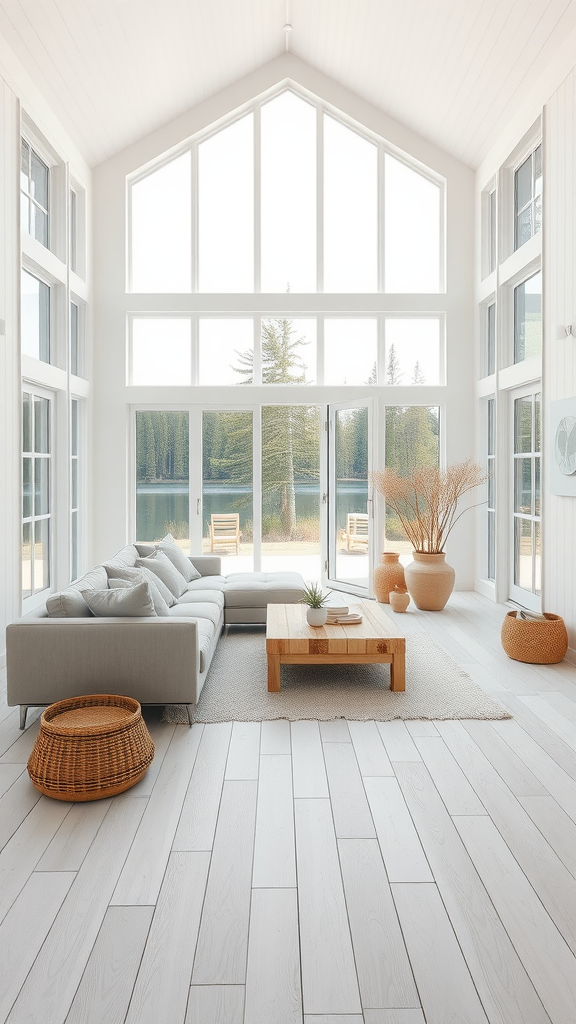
(341, 873)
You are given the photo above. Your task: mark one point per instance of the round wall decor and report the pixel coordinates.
(565, 445)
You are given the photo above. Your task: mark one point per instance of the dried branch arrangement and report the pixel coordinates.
(427, 502)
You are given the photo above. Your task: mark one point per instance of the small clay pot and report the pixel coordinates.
(316, 616)
(399, 601)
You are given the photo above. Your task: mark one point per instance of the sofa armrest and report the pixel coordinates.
(155, 660)
(207, 565)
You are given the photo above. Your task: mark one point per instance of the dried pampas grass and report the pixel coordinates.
(426, 503)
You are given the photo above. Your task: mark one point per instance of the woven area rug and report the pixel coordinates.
(236, 688)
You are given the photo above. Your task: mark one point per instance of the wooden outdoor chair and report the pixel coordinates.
(225, 531)
(355, 536)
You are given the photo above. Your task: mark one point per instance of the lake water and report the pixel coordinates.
(165, 506)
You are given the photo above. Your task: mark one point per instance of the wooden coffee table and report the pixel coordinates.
(291, 641)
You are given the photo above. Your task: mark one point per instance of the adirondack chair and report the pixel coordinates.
(225, 531)
(355, 536)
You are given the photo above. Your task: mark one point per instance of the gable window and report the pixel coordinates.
(528, 198)
(34, 193)
(287, 197)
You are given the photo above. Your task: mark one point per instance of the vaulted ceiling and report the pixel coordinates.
(452, 70)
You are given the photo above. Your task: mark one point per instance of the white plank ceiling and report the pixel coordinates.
(453, 70)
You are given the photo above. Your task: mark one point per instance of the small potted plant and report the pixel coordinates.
(315, 598)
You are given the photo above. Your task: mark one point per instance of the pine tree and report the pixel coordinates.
(417, 375)
(393, 375)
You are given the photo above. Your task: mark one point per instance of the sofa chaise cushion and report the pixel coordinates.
(257, 589)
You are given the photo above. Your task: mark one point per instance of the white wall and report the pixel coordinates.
(559, 513)
(17, 94)
(111, 396)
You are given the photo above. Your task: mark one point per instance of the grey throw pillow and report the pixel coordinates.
(170, 548)
(135, 601)
(134, 575)
(160, 606)
(68, 604)
(162, 567)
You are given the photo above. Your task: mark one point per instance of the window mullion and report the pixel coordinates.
(194, 212)
(381, 208)
(257, 199)
(319, 200)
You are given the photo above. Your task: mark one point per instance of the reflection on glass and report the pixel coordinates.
(162, 477)
(288, 195)
(537, 424)
(41, 487)
(528, 318)
(160, 229)
(523, 424)
(26, 488)
(523, 553)
(412, 443)
(291, 489)
(492, 221)
(74, 426)
(412, 351)
(41, 424)
(523, 486)
(41, 555)
(74, 545)
(35, 317)
(352, 523)
(528, 198)
(34, 184)
(26, 422)
(412, 230)
(350, 210)
(73, 229)
(491, 426)
(26, 560)
(161, 351)
(74, 340)
(350, 351)
(226, 209)
(536, 487)
(227, 488)
(226, 350)
(491, 339)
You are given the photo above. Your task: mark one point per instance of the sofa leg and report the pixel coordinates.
(23, 713)
(190, 714)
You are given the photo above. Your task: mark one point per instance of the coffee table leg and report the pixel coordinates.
(398, 671)
(273, 672)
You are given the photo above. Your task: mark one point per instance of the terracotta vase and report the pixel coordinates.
(399, 601)
(388, 575)
(429, 580)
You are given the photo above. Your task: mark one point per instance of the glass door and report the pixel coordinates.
(525, 585)
(349, 498)
(226, 507)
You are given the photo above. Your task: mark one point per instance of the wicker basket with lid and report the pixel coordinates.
(90, 747)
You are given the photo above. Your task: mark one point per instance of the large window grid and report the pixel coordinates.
(417, 251)
(174, 349)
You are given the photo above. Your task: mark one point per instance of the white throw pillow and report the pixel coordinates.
(133, 575)
(160, 606)
(135, 601)
(162, 567)
(170, 548)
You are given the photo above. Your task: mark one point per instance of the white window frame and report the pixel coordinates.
(517, 594)
(36, 600)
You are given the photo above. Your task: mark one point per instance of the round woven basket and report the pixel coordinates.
(90, 747)
(539, 643)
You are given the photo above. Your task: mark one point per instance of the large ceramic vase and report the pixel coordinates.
(429, 580)
(388, 575)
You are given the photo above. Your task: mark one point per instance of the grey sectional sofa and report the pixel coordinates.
(157, 660)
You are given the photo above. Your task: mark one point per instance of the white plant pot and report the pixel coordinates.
(316, 616)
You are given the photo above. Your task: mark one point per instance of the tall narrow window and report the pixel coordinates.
(528, 318)
(36, 499)
(35, 317)
(490, 340)
(161, 236)
(412, 230)
(228, 488)
(527, 514)
(288, 203)
(492, 231)
(73, 230)
(34, 194)
(74, 486)
(412, 443)
(75, 350)
(226, 209)
(162, 478)
(528, 198)
(491, 497)
(350, 210)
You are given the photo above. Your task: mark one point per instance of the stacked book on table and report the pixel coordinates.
(340, 615)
